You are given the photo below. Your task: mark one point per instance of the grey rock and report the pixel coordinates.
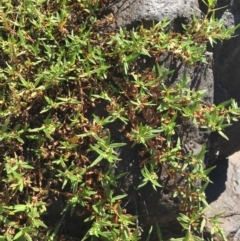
(128, 12)
(227, 177)
(228, 19)
(223, 147)
(221, 78)
(160, 206)
(226, 54)
(226, 62)
(149, 205)
(236, 237)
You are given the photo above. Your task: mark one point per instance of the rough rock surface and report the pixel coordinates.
(151, 206)
(201, 78)
(222, 76)
(129, 12)
(224, 195)
(226, 59)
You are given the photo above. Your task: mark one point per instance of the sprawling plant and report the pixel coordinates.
(57, 71)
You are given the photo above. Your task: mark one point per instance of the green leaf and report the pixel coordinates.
(149, 233)
(177, 239)
(38, 223)
(223, 135)
(143, 183)
(159, 233)
(145, 52)
(207, 171)
(155, 184)
(205, 202)
(36, 129)
(28, 237)
(9, 237)
(116, 145)
(195, 238)
(119, 197)
(96, 161)
(203, 223)
(223, 104)
(5, 125)
(18, 235)
(20, 208)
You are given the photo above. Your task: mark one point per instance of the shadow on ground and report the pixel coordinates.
(218, 176)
